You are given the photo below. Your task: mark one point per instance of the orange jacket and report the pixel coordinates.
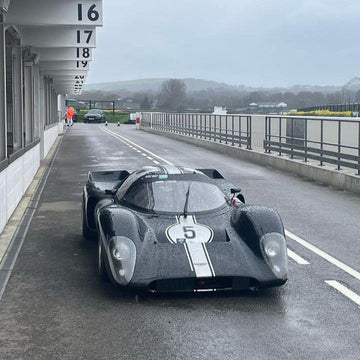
(69, 112)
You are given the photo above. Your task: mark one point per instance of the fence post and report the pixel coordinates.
(305, 142)
(292, 138)
(359, 149)
(240, 131)
(266, 134)
(321, 140)
(232, 130)
(249, 128)
(226, 129)
(280, 136)
(339, 143)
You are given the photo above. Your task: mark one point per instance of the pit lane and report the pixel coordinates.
(54, 306)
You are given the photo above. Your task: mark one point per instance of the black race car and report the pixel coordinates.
(167, 228)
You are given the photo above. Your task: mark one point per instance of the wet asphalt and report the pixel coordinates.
(54, 306)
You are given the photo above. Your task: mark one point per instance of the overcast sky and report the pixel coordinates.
(252, 42)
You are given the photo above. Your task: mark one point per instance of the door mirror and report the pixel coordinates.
(241, 198)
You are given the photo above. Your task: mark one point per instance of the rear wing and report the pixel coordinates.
(108, 176)
(211, 173)
(107, 181)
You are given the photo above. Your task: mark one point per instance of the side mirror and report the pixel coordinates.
(241, 198)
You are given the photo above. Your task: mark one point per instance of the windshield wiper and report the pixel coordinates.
(186, 203)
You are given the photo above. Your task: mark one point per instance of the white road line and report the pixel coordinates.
(138, 151)
(345, 291)
(136, 145)
(297, 258)
(324, 255)
(156, 162)
(150, 158)
(143, 154)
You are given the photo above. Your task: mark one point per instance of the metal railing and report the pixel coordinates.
(353, 107)
(233, 130)
(308, 138)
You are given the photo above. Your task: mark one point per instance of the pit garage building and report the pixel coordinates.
(45, 53)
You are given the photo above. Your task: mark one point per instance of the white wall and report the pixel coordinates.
(16, 178)
(50, 136)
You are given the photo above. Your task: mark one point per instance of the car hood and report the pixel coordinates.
(177, 229)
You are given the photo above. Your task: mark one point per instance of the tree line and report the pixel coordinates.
(173, 96)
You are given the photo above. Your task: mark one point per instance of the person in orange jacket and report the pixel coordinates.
(69, 115)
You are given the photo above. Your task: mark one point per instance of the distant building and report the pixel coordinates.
(269, 105)
(220, 110)
(127, 104)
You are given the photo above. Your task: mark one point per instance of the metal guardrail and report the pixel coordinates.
(322, 143)
(353, 107)
(328, 140)
(234, 130)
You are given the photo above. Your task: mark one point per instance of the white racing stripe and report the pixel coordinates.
(120, 137)
(324, 255)
(199, 260)
(297, 258)
(345, 291)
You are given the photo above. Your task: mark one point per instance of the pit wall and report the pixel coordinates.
(17, 176)
(323, 174)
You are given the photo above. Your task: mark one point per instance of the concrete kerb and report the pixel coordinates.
(316, 173)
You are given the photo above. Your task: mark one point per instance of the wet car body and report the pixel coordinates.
(227, 245)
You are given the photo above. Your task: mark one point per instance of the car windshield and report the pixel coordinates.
(94, 112)
(170, 196)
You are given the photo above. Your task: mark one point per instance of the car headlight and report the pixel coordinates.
(123, 254)
(273, 248)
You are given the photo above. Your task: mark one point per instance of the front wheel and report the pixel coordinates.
(87, 233)
(101, 266)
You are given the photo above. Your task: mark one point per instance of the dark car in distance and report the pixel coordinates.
(95, 115)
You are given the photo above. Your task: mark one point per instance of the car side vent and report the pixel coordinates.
(227, 237)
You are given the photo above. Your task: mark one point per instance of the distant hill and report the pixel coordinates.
(198, 85)
(155, 85)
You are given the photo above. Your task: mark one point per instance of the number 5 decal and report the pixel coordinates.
(189, 232)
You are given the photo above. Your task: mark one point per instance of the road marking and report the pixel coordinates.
(345, 291)
(156, 162)
(324, 255)
(297, 258)
(134, 144)
(150, 158)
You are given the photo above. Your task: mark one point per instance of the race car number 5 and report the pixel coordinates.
(189, 232)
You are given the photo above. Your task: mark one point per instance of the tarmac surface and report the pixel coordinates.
(54, 306)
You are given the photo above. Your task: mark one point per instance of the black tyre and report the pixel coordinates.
(87, 233)
(101, 263)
